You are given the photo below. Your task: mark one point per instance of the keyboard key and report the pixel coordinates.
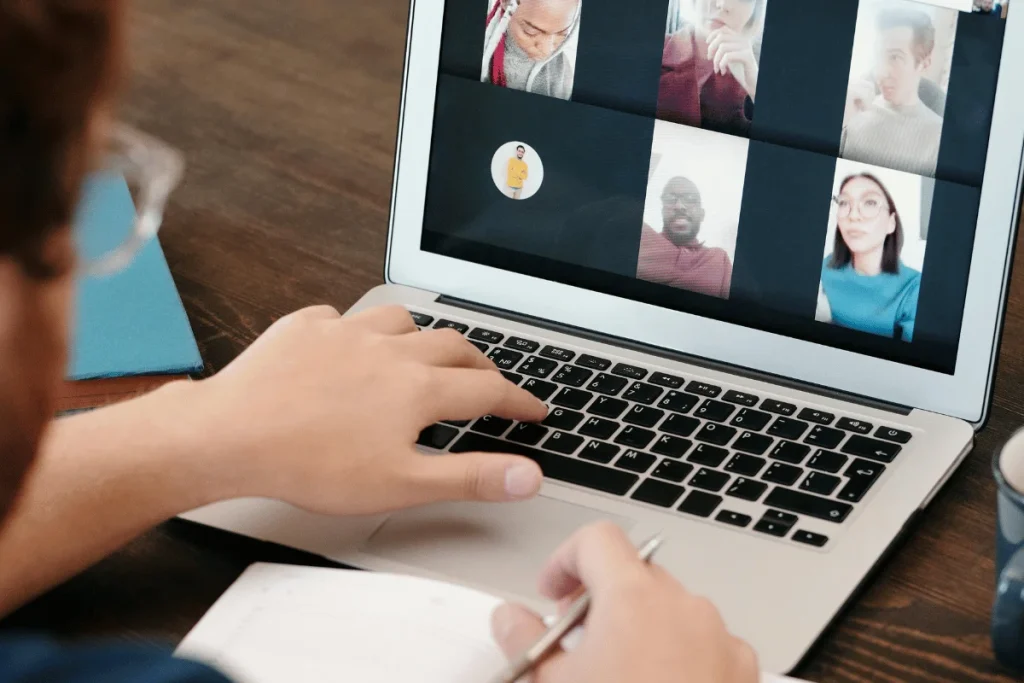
(850, 425)
(607, 407)
(746, 465)
(820, 483)
(670, 381)
(788, 429)
(630, 371)
(643, 416)
(827, 461)
(540, 389)
(703, 389)
(678, 402)
(740, 398)
(893, 435)
(861, 474)
(779, 517)
(556, 353)
(607, 384)
(746, 489)
(778, 407)
(772, 528)
(709, 456)
(560, 418)
(672, 470)
(715, 433)
(642, 393)
(535, 366)
(573, 375)
(806, 504)
(635, 461)
(598, 451)
(634, 437)
(753, 443)
(826, 437)
(658, 493)
(569, 470)
(715, 411)
(709, 480)
(491, 425)
(486, 336)
(790, 452)
(817, 416)
(680, 425)
(810, 538)
(593, 362)
(561, 442)
(527, 433)
(480, 346)
(599, 428)
(437, 436)
(672, 446)
(512, 377)
(872, 449)
(780, 473)
(448, 324)
(753, 420)
(700, 504)
(520, 344)
(572, 398)
(733, 518)
(457, 423)
(421, 319)
(505, 359)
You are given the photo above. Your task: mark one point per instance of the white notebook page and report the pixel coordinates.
(287, 624)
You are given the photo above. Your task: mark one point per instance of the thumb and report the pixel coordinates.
(515, 628)
(479, 476)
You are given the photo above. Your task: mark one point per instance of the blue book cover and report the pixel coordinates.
(133, 322)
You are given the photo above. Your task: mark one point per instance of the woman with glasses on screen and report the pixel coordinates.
(866, 285)
(320, 412)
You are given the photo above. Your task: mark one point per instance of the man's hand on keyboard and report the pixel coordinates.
(642, 626)
(323, 412)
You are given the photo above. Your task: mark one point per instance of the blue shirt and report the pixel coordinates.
(883, 304)
(38, 660)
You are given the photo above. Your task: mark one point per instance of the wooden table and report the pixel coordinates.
(287, 114)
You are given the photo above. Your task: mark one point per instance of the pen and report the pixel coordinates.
(540, 649)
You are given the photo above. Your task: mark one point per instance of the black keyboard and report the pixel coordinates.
(677, 443)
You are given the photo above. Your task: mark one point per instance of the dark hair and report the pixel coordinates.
(921, 23)
(58, 60)
(520, 147)
(893, 245)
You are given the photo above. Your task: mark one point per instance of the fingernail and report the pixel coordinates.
(521, 481)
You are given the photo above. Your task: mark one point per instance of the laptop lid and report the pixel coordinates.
(822, 191)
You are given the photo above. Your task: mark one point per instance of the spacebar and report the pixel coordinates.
(558, 467)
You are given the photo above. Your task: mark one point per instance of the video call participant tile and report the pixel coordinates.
(899, 78)
(517, 170)
(874, 250)
(692, 210)
(530, 45)
(710, 64)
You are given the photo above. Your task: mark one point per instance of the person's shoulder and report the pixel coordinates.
(910, 276)
(679, 47)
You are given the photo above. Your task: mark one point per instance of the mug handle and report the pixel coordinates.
(1008, 614)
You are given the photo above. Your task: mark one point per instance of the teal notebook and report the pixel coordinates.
(131, 323)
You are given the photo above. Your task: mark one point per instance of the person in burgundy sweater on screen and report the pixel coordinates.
(709, 68)
(675, 256)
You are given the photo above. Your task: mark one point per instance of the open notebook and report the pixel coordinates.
(288, 624)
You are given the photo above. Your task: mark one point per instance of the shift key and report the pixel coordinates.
(569, 470)
(806, 504)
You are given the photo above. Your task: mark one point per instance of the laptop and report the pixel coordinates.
(754, 254)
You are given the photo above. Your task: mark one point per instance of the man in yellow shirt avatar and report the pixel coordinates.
(518, 172)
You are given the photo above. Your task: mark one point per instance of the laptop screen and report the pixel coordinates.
(811, 169)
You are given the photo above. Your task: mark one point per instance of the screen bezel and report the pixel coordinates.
(963, 394)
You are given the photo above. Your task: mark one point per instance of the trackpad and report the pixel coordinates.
(503, 546)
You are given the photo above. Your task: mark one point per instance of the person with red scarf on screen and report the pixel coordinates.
(525, 45)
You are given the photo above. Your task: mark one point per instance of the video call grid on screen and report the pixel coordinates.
(737, 224)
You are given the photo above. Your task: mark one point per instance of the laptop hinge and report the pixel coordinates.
(677, 356)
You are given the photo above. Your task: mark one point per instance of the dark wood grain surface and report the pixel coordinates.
(287, 114)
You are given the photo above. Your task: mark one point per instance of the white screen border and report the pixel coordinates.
(963, 395)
